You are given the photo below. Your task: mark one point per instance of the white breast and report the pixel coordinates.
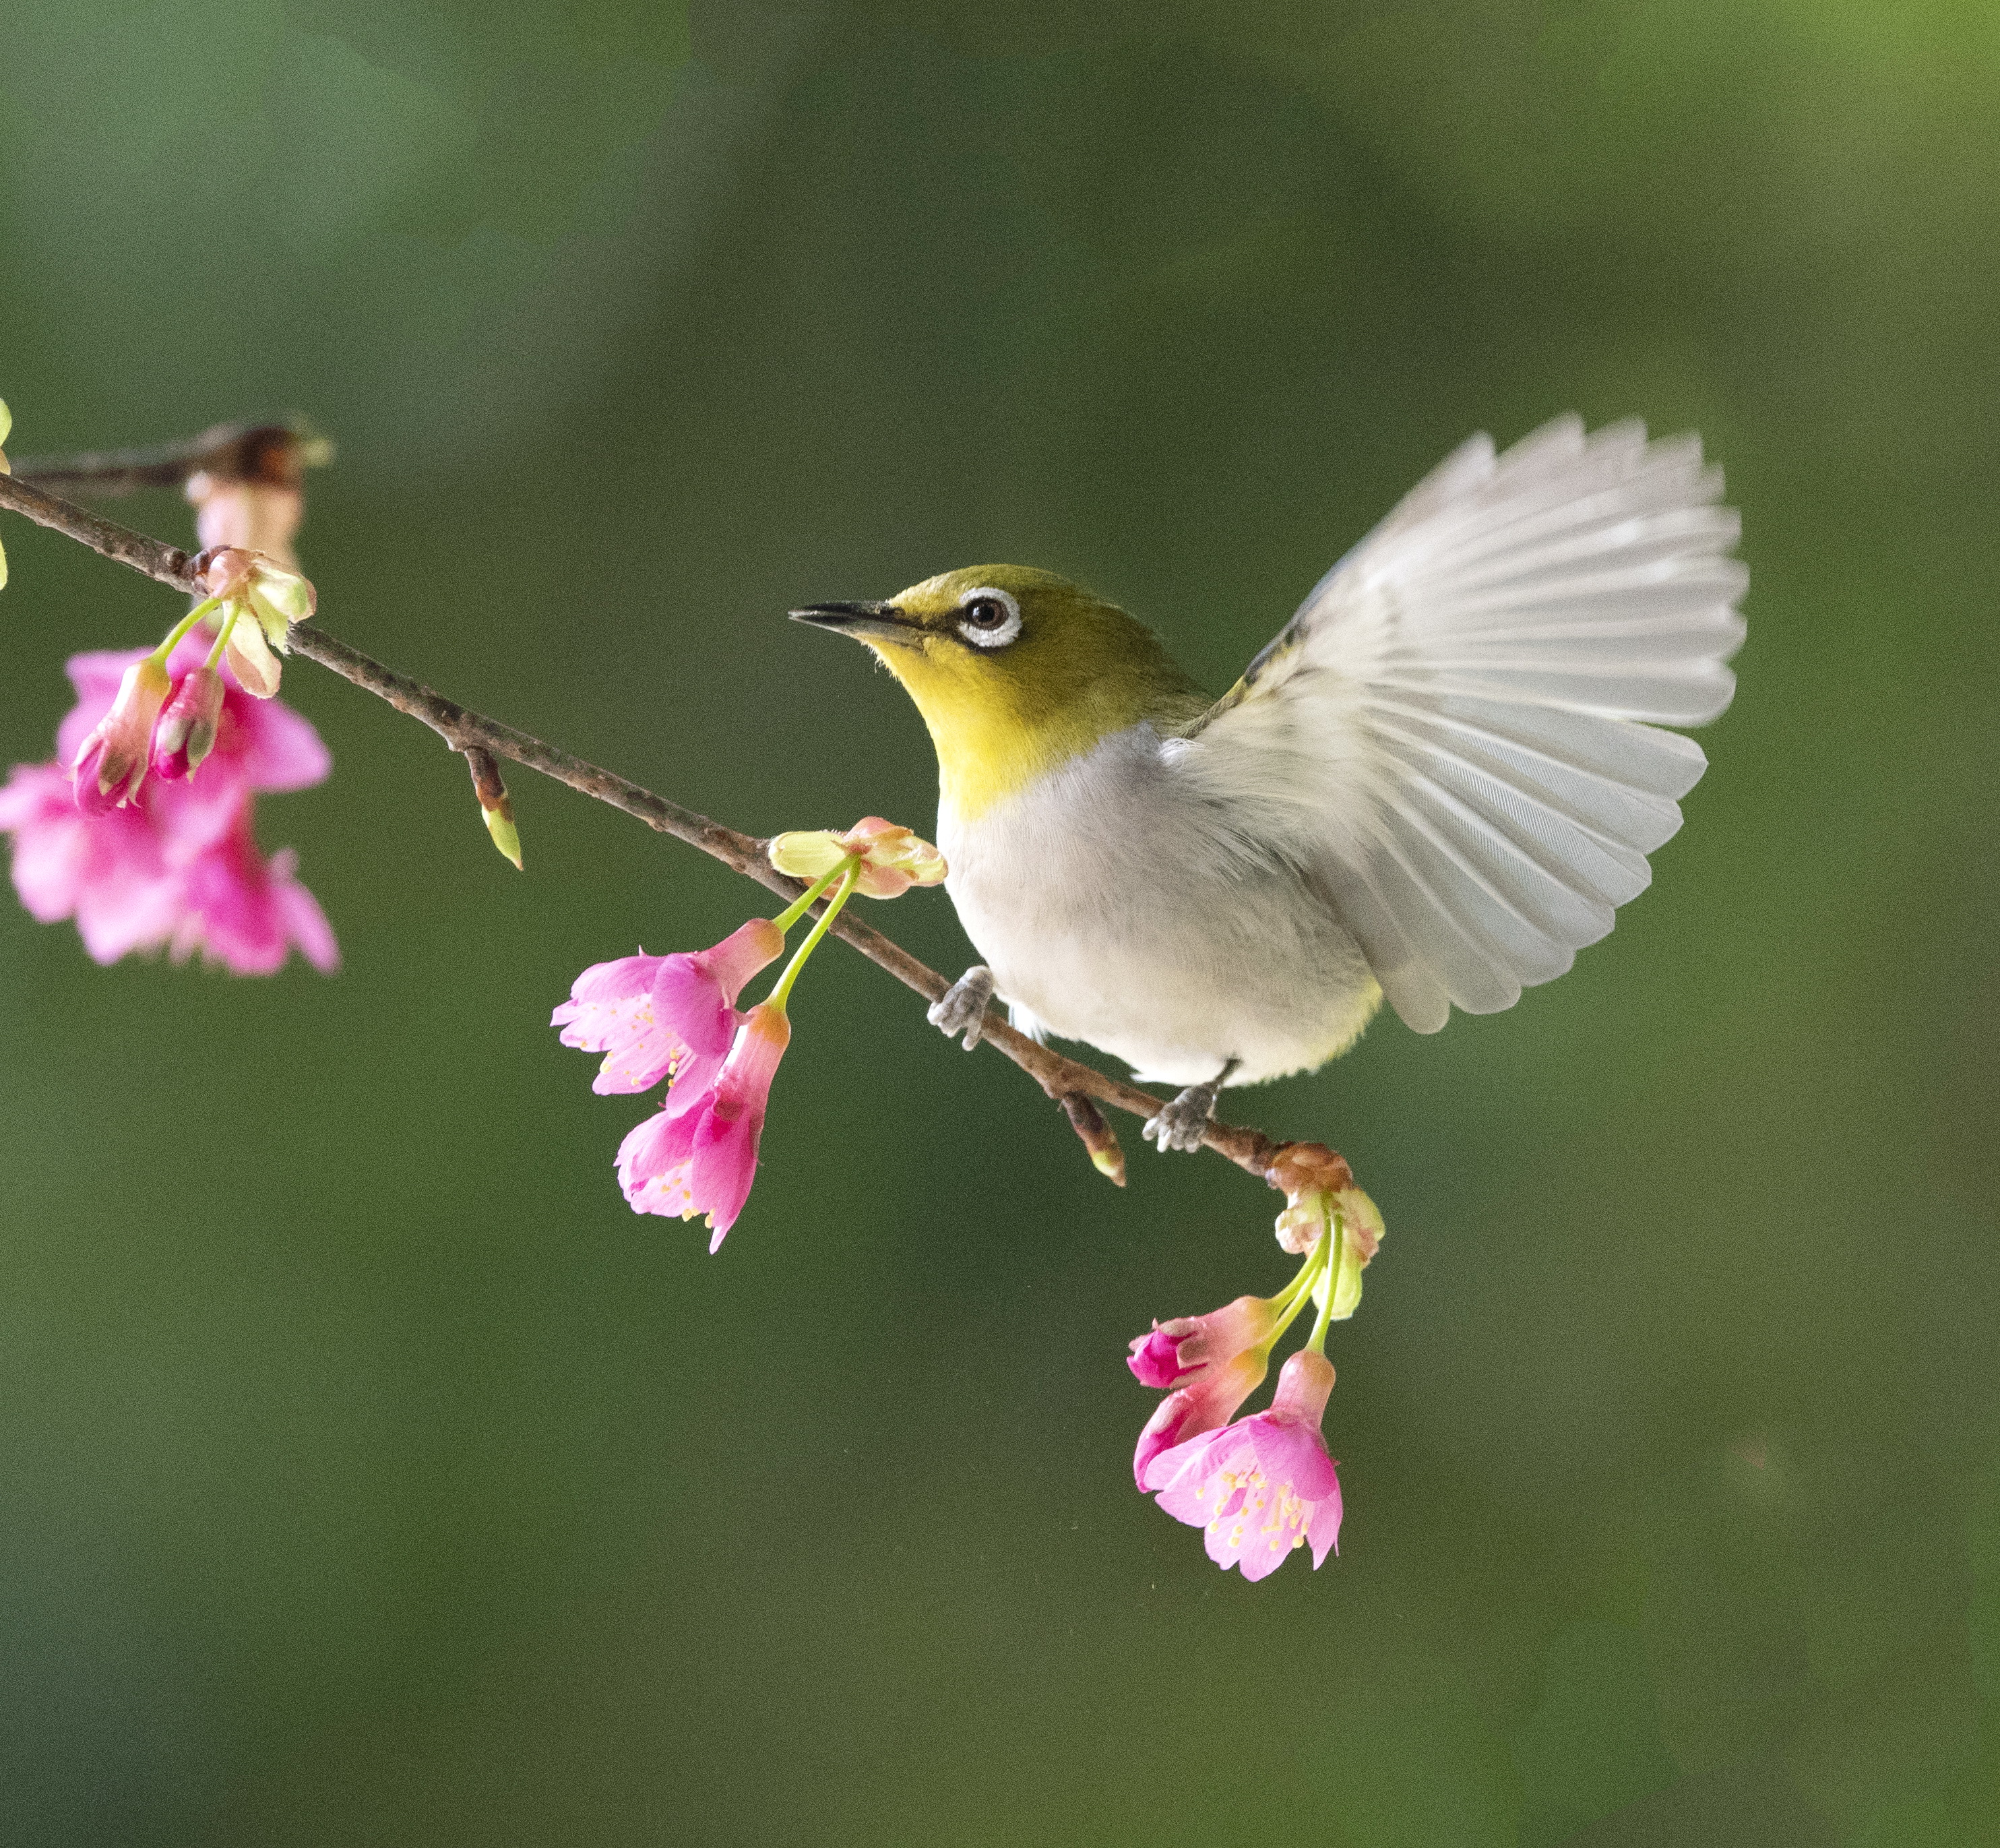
(1118, 907)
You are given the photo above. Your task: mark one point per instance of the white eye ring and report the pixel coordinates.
(989, 634)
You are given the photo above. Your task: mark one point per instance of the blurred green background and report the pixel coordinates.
(370, 1473)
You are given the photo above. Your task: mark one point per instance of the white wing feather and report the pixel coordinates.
(1454, 736)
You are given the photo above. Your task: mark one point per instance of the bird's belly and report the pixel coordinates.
(1117, 918)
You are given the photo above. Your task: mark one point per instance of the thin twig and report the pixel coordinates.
(275, 453)
(461, 727)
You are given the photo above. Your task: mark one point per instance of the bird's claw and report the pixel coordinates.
(1179, 1124)
(962, 1010)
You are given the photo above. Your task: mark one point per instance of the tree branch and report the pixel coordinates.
(278, 453)
(461, 727)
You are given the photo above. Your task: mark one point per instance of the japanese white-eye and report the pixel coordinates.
(1437, 784)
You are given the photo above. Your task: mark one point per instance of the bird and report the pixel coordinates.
(1434, 786)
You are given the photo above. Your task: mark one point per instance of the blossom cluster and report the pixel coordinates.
(122, 834)
(1260, 1486)
(1264, 1485)
(675, 1018)
(142, 827)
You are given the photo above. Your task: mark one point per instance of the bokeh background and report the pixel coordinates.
(370, 1473)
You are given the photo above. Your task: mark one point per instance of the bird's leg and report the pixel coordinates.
(1179, 1123)
(962, 1010)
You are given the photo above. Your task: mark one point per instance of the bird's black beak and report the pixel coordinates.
(866, 622)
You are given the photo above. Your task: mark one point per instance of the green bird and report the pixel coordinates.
(1437, 784)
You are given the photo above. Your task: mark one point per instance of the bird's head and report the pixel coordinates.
(1016, 672)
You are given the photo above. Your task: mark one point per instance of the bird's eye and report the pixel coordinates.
(989, 619)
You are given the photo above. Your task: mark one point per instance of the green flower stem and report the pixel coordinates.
(850, 876)
(1335, 1241)
(1299, 1293)
(181, 628)
(222, 636)
(1287, 1299)
(792, 913)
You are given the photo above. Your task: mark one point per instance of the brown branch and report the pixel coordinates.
(277, 453)
(462, 728)
(166, 564)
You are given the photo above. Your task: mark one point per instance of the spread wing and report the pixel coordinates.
(1455, 735)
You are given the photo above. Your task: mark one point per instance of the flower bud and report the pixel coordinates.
(110, 764)
(185, 733)
(1099, 1139)
(496, 807)
(499, 821)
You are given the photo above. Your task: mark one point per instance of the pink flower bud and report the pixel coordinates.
(1156, 1359)
(110, 764)
(1176, 1348)
(185, 733)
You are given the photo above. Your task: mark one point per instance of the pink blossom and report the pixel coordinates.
(247, 912)
(1175, 1349)
(1208, 1400)
(178, 867)
(1156, 1359)
(109, 871)
(655, 1015)
(1263, 1485)
(698, 1154)
(109, 765)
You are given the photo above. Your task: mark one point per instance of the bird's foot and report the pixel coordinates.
(962, 1010)
(1180, 1124)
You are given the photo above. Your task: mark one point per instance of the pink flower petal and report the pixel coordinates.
(278, 748)
(610, 1010)
(653, 1164)
(306, 924)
